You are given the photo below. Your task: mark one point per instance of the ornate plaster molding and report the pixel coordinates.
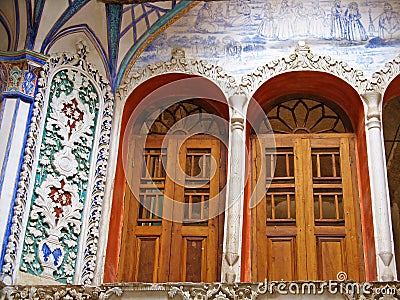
(59, 292)
(221, 291)
(381, 79)
(304, 59)
(15, 237)
(179, 64)
(75, 133)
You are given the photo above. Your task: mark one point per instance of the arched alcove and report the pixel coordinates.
(177, 96)
(341, 99)
(391, 134)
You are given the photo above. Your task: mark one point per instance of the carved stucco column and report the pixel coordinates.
(384, 245)
(235, 195)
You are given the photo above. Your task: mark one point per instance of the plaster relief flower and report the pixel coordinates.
(29, 258)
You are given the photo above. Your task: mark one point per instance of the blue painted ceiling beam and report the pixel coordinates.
(114, 18)
(33, 23)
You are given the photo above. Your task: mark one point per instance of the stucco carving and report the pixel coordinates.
(220, 291)
(381, 79)
(303, 59)
(59, 202)
(14, 240)
(57, 292)
(179, 64)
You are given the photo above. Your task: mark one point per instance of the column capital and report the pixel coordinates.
(237, 103)
(373, 100)
(19, 73)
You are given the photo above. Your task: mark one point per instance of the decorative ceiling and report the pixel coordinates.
(117, 31)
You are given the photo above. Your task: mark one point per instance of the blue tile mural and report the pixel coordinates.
(241, 35)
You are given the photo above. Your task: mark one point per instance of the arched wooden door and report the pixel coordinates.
(172, 229)
(307, 222)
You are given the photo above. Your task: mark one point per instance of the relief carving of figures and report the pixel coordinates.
(267, 28)
(389, 23)
(337, 24)
(317, 20)
(285, 27)
(354, 30)
(239, 14)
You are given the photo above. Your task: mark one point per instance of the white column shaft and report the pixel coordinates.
(379, 190)
(235, 194)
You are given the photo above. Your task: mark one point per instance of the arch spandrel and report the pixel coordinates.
(304, 60)
(179, 64)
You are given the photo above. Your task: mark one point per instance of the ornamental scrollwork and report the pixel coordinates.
(303, 59)
(59, 292)
(54, 226)
(179, 64)
(381, 79)
(71, 172)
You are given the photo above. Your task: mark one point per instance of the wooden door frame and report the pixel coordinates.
(170, 247)
(355, 268)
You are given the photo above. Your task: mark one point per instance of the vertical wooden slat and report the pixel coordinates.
(179, 152)
(300, 166)
(333, 165)
(130, 212)
(191, 172)
(202, 208)
(210, 252)
(321, 208)
(287, 165)
(190, 207)
(337, 206)
(272, 206)
(349, 212)
(204, 169)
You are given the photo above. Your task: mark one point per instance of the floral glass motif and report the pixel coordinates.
(303, 115)
(60, 189)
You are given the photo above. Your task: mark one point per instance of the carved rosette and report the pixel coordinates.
(54, 226)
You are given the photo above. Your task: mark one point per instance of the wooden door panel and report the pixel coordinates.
(281, 262)
(148, 252)
(163, 240)
(196, 231)
(194, 259)
(324, 228)
(331, 257)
